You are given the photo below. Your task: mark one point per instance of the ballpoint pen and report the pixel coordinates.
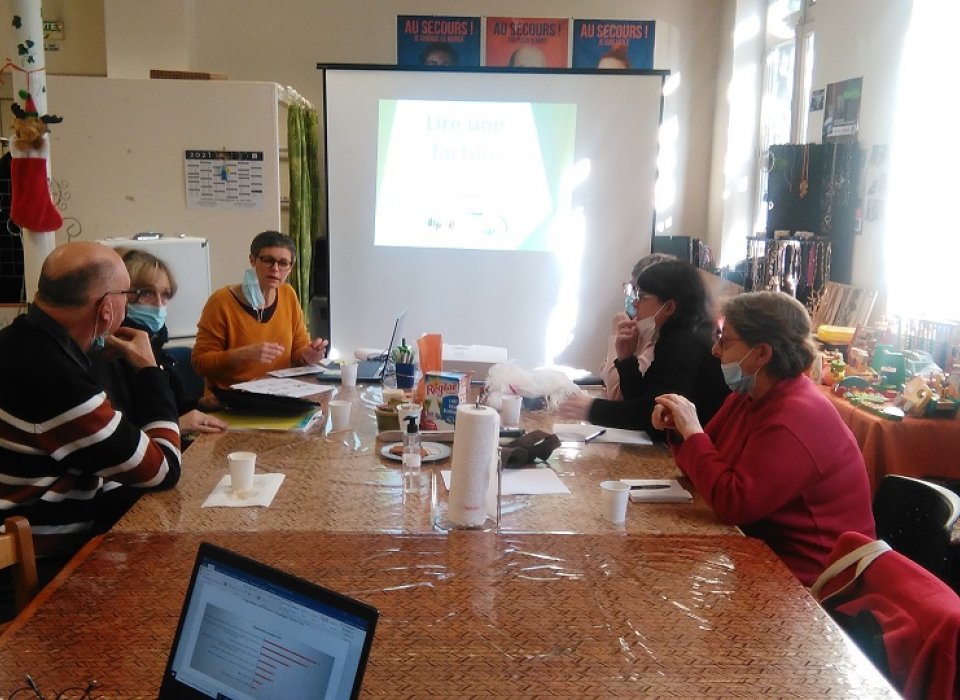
(593, 436)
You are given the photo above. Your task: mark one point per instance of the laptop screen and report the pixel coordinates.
(250, 631)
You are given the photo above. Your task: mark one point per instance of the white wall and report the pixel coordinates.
(126, 175)
(283, 40)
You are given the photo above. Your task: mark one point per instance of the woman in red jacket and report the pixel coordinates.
(777, 459)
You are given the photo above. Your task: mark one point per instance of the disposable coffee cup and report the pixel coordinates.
(614, 496)
(339, 415)
(510, 411)
(242, 466)
(348, 373)
(408, 409)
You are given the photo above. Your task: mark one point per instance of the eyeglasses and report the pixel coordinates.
(132, 295)
(281, 263)
(153, 296)
(724, 341)
(32, 690)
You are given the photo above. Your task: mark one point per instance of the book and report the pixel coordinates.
(299, 423)
(657, 491)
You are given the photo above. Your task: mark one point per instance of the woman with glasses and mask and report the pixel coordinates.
(623, 323)
(777, 459)
(153, 285)
(672, 306)
(251, 328)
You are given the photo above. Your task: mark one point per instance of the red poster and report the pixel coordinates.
(528, 42)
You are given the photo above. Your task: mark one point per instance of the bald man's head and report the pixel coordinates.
(77, 273)
(528, 57)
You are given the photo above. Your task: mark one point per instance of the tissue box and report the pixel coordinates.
(476, 359)
(443, 392)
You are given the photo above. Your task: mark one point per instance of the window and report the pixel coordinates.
(921, 242)
(787, 78)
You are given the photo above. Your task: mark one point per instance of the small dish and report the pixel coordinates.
(435, 451)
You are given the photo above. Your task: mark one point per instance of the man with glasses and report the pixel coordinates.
(257, 326)
(69, 462)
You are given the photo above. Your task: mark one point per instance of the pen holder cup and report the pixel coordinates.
(387, 418)
(406, 371)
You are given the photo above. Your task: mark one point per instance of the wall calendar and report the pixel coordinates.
(220, 179)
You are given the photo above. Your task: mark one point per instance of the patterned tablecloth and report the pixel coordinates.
(476, 614)
(339, 482)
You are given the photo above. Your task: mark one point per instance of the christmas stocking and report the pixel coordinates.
(31, 206)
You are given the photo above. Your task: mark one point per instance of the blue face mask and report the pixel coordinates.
(153, 317)
(251, 289)
(99, 343)
(734, 377)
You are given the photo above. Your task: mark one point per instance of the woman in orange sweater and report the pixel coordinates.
(249, 329)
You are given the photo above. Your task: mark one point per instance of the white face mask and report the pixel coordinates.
(251, 289)
(648, 326)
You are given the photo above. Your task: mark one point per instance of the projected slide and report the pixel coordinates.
(470, 175)
(245, 656)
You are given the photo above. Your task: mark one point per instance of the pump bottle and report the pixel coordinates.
(411, 456)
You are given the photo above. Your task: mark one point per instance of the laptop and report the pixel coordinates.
(370, 371)
(248, 630)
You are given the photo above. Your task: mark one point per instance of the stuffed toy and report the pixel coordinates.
(31, 206)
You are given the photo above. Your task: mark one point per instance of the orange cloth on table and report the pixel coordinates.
(430, 348)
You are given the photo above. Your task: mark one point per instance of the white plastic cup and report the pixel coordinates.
(615, 495)
(510, 411)
(408, 409)
(242, 466)
(348, 373)
(339, 415)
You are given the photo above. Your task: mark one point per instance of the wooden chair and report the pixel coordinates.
(916, 518)
(16, 551)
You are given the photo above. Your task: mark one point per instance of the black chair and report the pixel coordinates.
(916, 518)
(190, 382)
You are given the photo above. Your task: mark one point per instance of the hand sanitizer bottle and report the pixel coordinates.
(411, 457)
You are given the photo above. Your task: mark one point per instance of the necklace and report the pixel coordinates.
(805, 172)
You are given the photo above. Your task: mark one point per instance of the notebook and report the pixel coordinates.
(263, 404)
(248, 630)
(368, 371)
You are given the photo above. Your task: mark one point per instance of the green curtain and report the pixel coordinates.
(305, 195)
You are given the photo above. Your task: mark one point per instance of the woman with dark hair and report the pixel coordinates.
(644, 349)
(249, 329)
(777, 459)
(672, 303)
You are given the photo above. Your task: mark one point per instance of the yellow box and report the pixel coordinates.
(835, 335)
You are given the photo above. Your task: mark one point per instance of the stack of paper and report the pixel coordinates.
(282, 387)
(657, 491)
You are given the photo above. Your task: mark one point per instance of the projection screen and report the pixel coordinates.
(499, 208)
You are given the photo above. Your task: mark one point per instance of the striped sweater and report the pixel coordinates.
(67, 458)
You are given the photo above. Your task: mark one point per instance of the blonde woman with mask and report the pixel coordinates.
(154, 284)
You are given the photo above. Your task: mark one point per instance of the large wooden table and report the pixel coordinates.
(477, 614)
(340, 482)
(912, 447)
(559, 603)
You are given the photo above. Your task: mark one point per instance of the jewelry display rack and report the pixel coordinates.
(799, 267)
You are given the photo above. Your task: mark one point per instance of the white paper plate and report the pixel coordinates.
(435, 451)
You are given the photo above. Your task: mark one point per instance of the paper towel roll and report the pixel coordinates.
(473, 468)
